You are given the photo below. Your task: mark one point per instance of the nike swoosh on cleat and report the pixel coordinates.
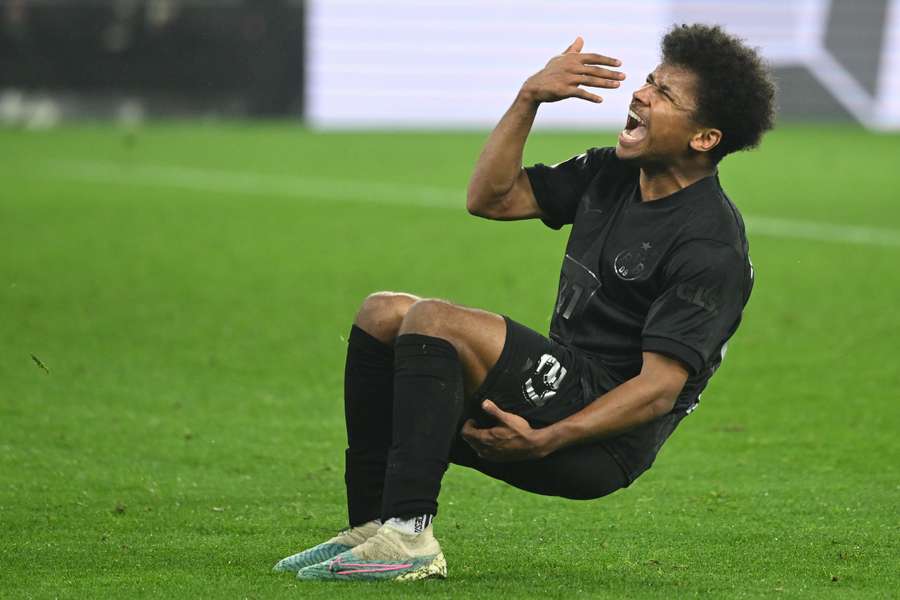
(373, 569)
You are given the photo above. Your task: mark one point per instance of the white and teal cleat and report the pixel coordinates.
(388, 555)
(345, 540)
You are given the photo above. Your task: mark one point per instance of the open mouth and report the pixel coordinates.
(635, 128)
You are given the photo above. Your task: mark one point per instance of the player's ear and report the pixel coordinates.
(706, 139)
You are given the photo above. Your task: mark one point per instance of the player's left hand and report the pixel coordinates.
(510, 440)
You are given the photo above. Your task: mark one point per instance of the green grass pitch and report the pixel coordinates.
(188, 290)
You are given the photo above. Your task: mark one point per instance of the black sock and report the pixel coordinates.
(428, 404)
(368, 408)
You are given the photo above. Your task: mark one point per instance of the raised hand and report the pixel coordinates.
(565, 74)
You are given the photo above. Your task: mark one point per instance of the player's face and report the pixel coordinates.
(660, 124)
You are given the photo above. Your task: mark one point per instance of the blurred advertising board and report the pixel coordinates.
(163, 57)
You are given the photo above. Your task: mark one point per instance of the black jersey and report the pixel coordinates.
(670, 276)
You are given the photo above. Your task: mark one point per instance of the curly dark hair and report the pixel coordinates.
(735, 91)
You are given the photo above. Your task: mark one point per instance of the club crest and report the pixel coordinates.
(631, 263)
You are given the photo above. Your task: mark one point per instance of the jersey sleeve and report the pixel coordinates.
(704, 294)
(558, 188)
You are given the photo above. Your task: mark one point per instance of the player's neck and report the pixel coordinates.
(659, 181)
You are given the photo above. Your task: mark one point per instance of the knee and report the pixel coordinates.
(382, 313)
(429, 317)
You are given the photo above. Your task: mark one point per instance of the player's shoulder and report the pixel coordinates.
(606, 157)
(604, 153)
(598, 159)
(586, 166)
(609, 172)
(716, 219)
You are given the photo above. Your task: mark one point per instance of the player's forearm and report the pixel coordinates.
(635, 402)
(500, 161)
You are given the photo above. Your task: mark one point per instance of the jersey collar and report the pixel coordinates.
(699, 189)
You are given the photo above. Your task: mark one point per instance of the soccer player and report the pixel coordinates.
(654, 279)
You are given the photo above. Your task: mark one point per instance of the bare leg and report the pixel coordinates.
(477, 335)
(382, 313)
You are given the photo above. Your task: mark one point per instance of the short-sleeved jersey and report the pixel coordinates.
(669, 276)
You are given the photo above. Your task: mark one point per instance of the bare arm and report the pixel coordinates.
(499, 188)
(652, 393)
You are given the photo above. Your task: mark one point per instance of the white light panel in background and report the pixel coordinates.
(414, 64)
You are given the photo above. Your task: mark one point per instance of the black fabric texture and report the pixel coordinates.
(368, 411)
(577, 473)
(670, 275)
(700, 305)
(558, 188)
(428, 406)
(636, 450)
(586, 471)
(520, 362)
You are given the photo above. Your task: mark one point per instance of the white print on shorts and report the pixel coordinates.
(547, 378)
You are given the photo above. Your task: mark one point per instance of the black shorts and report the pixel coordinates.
(545, 382)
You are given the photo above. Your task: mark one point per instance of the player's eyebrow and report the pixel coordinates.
(663, 88)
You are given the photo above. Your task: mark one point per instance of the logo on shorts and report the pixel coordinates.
(547, 378)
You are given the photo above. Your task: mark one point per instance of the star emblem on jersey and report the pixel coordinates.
(631, 263)
(547, 378)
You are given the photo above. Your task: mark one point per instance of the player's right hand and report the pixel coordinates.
(565, 74)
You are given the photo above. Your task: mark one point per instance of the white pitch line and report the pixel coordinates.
(317, 188)
(822, 232)
(243, 183)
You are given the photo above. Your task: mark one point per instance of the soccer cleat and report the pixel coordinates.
(389, 554)
(345, 540)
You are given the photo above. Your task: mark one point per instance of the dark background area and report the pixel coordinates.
(225, 56)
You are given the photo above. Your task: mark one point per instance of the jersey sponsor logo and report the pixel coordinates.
(705, 298)
(631, 263)
(543, 384)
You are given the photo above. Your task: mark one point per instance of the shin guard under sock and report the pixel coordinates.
(428, 403)
(368, 409)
